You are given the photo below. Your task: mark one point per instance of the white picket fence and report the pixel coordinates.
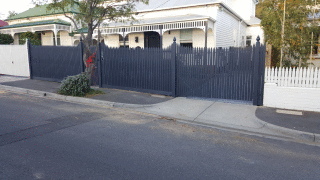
(292, 88)
(293, 77)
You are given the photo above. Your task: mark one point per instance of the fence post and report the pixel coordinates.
(258, 73)
(29, 58)
(81, 56)
(174, 68)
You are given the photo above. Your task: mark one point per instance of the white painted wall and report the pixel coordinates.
(255, 31)
(167, 38)
(112, 40)
(296, 98)
(198, 38)
(244, 8)
(47, 39)
(14, 60)
(65, 39)
(133, 43)
(229, 30)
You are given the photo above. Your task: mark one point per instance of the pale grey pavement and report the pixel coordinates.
(231, 115)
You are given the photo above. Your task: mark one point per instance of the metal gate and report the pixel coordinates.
(144, 70)
(224, 73)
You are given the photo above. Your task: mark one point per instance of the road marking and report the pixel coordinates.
(282, 111)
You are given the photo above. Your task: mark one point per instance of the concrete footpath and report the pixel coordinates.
(223, 114)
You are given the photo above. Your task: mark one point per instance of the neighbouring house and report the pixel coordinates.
(201, 23)
(3, 23)
(52, 27)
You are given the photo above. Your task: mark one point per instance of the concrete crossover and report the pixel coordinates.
(231, 116)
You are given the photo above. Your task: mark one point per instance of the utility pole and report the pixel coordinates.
(282, 32)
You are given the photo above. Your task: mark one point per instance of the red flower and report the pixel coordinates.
(89, 61)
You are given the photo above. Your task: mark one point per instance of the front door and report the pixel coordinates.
(151, 40)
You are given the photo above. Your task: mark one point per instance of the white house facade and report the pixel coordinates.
(204, 23)
(201, 23)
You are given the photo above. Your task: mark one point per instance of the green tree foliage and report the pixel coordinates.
(295, 17)
(34, 38)
(11, 14)
(91, 14)
(6, 39)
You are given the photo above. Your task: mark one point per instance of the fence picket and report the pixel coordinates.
(318, 77)
(294, 77)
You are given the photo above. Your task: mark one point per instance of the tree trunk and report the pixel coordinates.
(282, 32)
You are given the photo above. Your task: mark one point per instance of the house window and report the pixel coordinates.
(124, 42)
(248, 41)
(186, 45)
(186, 37)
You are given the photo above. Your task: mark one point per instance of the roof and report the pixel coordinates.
(37, 23)
(254, 21)
(167, 19)
(3, 23)
(39, 11)
(166, 4)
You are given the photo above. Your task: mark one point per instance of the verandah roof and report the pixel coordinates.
(153, 24)
(37, 23)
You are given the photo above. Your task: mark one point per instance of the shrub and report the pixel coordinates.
(77, 85)
(34, 38)
(6, 39)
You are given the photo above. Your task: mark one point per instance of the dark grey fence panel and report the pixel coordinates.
(224, 73)
(54, 63)
(144, 70)
(215, 73)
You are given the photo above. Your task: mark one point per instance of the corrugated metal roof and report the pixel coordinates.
(37, 23)
(165, 4)
(253, 21)
(39, 11)
(3, 23)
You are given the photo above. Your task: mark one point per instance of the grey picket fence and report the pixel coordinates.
(223, 73)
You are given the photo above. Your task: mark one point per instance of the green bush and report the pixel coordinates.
(34, 38)
(6, 39)
(77, 85)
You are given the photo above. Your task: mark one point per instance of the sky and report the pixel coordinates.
(14, 5)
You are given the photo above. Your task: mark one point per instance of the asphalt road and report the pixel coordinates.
(47, 139)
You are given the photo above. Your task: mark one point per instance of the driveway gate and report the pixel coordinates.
(224, 73)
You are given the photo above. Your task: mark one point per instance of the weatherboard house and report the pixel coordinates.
(200, 23)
